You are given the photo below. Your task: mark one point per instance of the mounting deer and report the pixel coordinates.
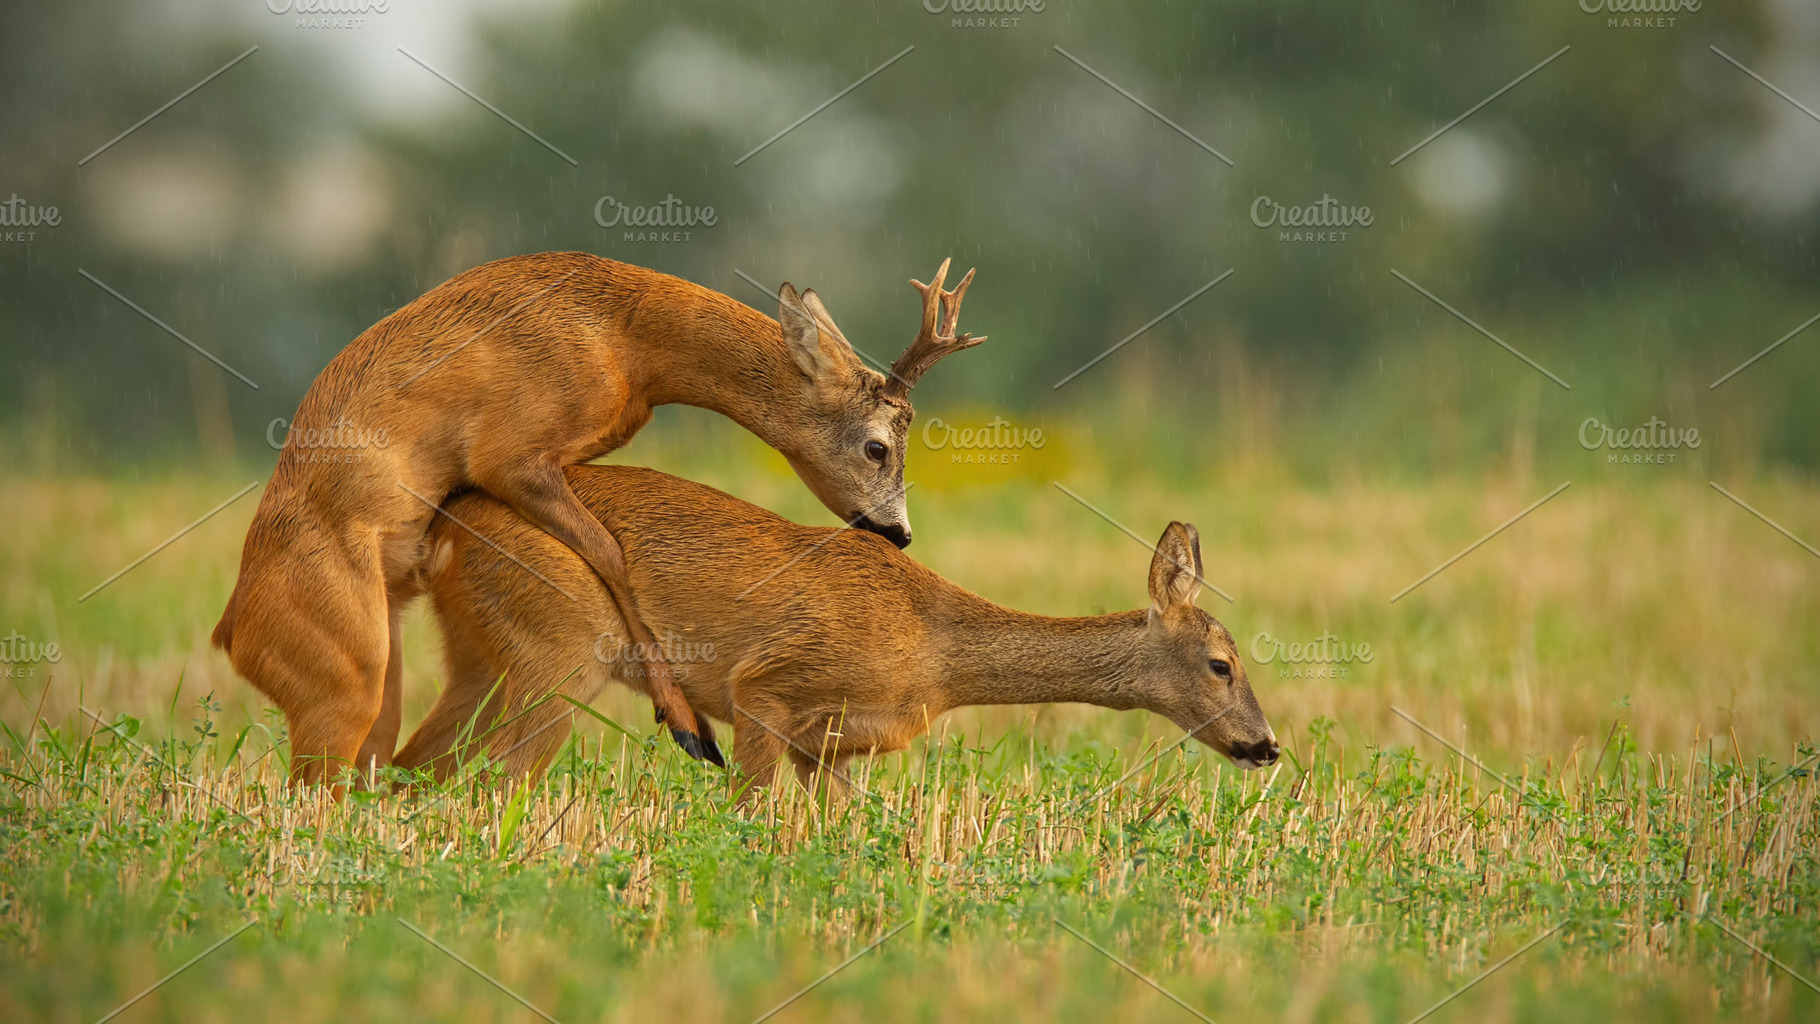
(816, 643)
(498, 379)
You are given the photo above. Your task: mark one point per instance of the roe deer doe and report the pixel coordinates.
(498, 379)
(817, 644)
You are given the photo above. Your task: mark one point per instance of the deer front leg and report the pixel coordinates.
(767, 736)
(757, 751)
(821, 764)
(538, 492)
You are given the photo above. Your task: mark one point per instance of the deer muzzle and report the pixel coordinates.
(896, 533)
(1260, 754)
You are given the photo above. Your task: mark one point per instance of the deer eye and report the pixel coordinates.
(1221, 668)
(876, 451)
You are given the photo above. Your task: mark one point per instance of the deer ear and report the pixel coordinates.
(800, 334)
(1175, 572)
(834, 343)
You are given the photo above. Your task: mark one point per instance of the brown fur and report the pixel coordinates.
(842, 645)
(498, 379)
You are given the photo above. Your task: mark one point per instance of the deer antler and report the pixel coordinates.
(932, 341)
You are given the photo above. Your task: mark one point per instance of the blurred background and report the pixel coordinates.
(1638, 217)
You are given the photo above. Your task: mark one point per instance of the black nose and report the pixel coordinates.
(1264, 752)
(895, 533)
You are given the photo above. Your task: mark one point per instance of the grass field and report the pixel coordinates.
(1633, 667)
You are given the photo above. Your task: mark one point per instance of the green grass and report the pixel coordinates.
(631, 884)
(1637, 658)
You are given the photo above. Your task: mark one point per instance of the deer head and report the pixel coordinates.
(850, 447)
(1191, 672)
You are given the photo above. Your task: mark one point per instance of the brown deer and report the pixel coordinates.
(817, 644)
(498, 379)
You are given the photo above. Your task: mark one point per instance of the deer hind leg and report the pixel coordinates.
(313, 638)
(531, 742)
(504, 656)
(443, 741)
(522, 737)
(533, 719)
(382, 738)
(538, 492)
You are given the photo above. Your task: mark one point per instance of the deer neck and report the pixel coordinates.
(718, 354)
(998, 656)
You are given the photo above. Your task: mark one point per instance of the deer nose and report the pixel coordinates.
(1263, 752)
(896, 533)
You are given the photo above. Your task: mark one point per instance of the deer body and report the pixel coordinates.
(498, 379)
(815, 644)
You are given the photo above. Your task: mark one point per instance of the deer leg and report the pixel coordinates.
(818, 751)
(830, 770)
(534, 720)
(529, 745)
(326, 733)
(382, 738)
(469, 680)
(838, 776)
(311, 635)
(540, 494)
(757, 751)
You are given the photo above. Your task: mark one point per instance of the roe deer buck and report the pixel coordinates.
(498, 379)
(815, 643)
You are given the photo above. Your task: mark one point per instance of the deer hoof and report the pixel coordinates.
(698, 747)
(690, 742)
